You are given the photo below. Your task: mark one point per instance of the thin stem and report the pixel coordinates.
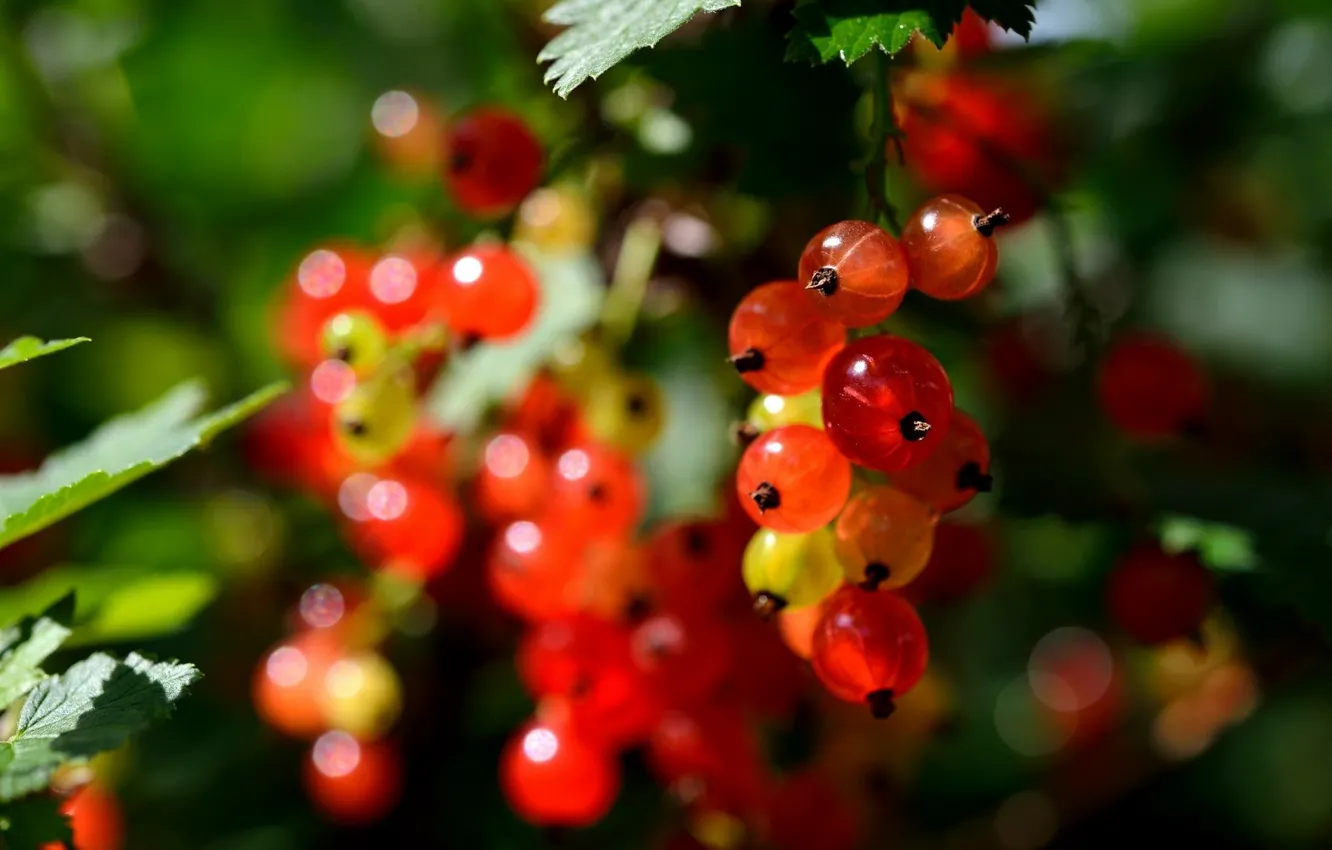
(883, 130)
(633, 270)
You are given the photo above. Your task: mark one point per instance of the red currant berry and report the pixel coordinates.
(961, 560)
(1149, 388)
(886, 403)
(530, 569)
(487, 292)
(491, 162)
(353, 782)
(797, 628)
(869, 648)
(552, 777)
(597, 491)
(514, 477)
(855, 273)
(410, 528)
(884, 538)
(288, 684)
(94, 818)
(955, 472)
(559, 657)
(1158, 597)
(708, 755)
(692, 564)
(793, 479)
(777, 344)
(683, 659)
(949, 247)
(328, 281)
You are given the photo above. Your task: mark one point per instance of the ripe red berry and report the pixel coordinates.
(949, 247)
(778, 345)
(491, 162)
(886, 403)
(530, 569)
(94, 818)
(955, 472)
(487, 292)
(552, 777)
(793, 479)
(869, 648)
(409, 527)
(353, 782)
(596, 491)
(708, 755)
(692, 564)
(288, 684)
(961, 560)
(514, 477)
(1157, 597)
(884, 538)
(682, 659)
(1149, 388)
(855, 273)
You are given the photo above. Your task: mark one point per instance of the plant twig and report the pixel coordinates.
(884, 129)
(633, 270)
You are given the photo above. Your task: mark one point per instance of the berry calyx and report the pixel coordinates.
(881, 703)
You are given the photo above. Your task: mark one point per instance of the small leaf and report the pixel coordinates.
(118, 453)
(27, 348)
(34, 823)
(602, 32)
(92, 707)
(847, 29)
(25, 646)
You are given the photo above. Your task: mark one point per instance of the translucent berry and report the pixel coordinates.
(288, 684)
(869, 648)
(855, 273)
(410, 528)
(955, 472)
(581, 363)
(709, 754)
(551, 777)
(530, 568)
(514, 478)
(560, 656)
(491, 162)
(949, 247)
(884, 538)
(790, 570)
(597, 491)
(376, 420)
(886, 403)
(773, 411)
(793, 479)
(94, 818)
(692, 564)
(778, 345)
(362, 694)
(356, 338)
(1149, 388)
(625, 411)
(487, 292)
(682, 658)
(1158, 597)
(557, 219)
(797, 628)
(610, 579)
(962, 558)
(353, 782)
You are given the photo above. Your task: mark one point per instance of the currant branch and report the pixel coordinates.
(883, 130)
(629, 282)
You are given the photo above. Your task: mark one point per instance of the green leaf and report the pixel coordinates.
(118, 453)
(94, 706)
(115, 602)
(847, 29)
(26, 348)
(25, 646)
(33, 823)
(602, 32)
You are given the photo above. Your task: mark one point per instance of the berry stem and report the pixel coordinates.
(629, 282)
(883, 130)
(744, 433)
(881, 703)
(985, 224)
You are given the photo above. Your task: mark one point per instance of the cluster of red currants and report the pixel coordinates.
(883, 403)
(368, 331)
